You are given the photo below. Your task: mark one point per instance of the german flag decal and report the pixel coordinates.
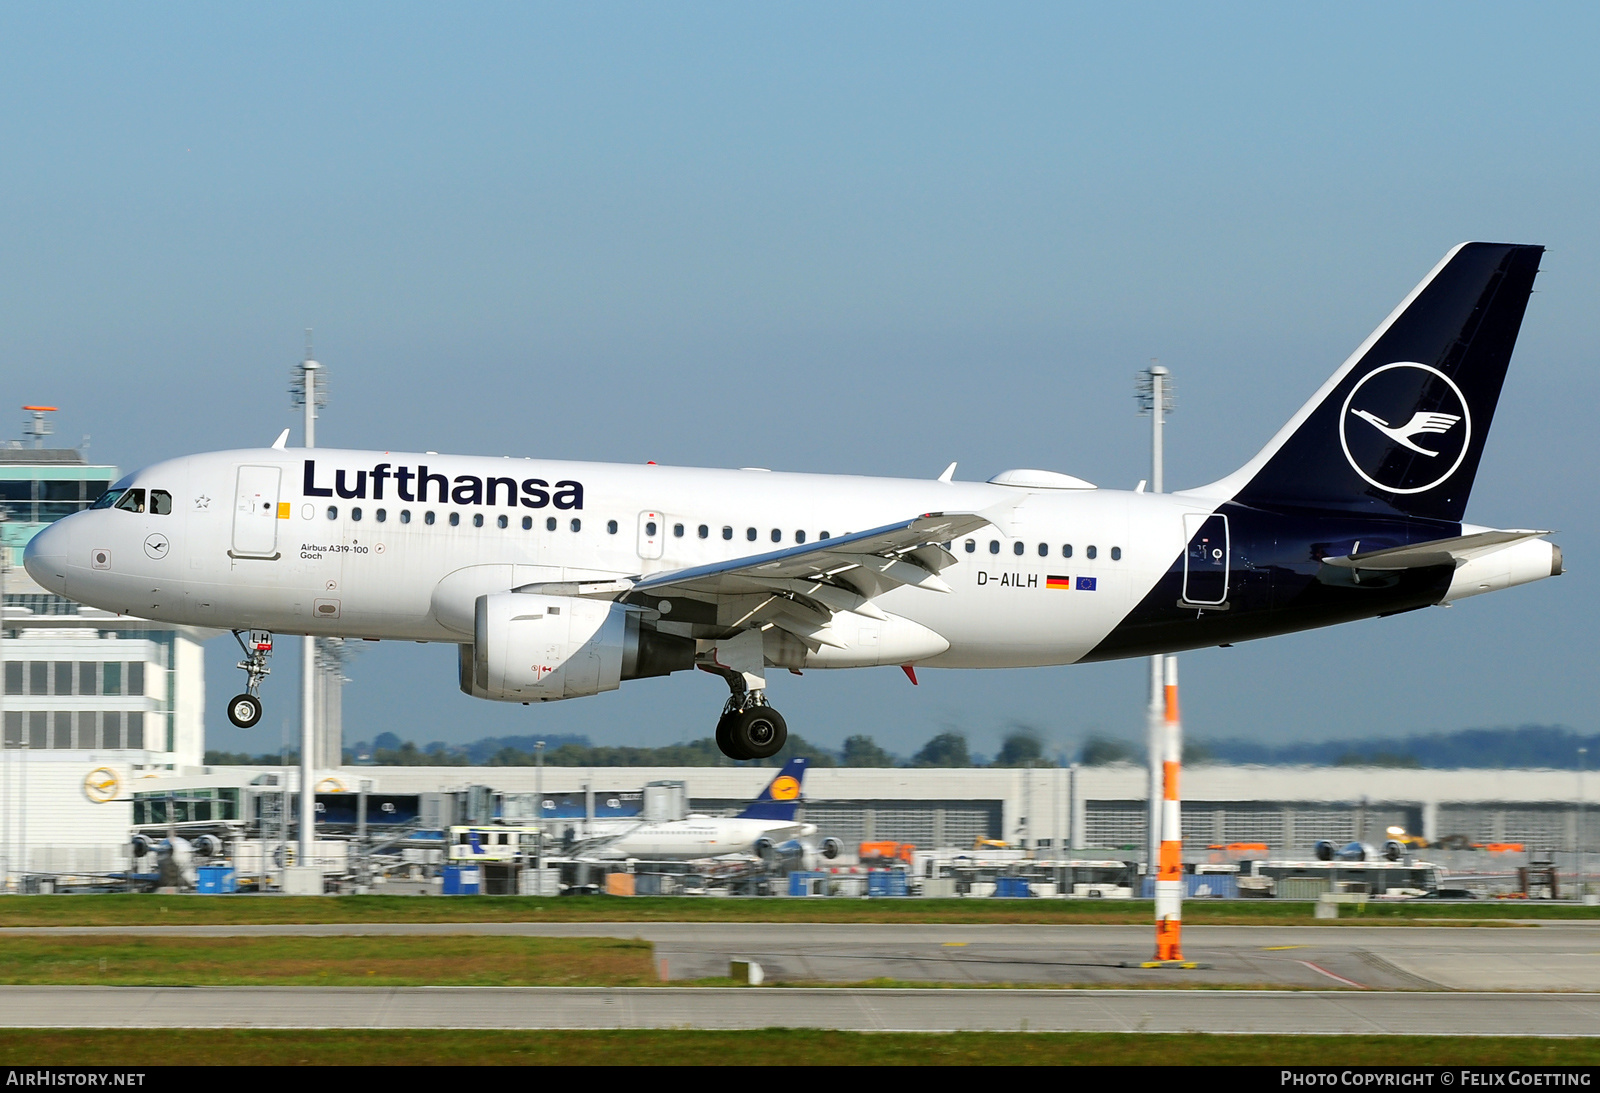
(1063, 583)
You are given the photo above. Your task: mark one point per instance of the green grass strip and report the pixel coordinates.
(458, 960)
(145, 910)
(767, 1047)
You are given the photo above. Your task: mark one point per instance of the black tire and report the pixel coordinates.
(244, 710)
(760, 732)
(725, 742)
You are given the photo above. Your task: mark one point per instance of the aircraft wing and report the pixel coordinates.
(1453, 551)
(800, 588)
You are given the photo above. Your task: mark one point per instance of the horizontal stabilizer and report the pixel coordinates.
(1454, 551)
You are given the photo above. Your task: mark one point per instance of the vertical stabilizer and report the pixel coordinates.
(1399, 429)
(781, 797)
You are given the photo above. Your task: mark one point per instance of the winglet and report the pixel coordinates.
(949, 473)
(781, 797)
(283, 439)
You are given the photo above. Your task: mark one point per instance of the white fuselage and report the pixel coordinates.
(246, 547)
(700, 837)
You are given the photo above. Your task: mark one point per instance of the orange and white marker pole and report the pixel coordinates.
(1169, 875)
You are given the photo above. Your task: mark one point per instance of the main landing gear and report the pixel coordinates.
(750, 729)
(244, 710)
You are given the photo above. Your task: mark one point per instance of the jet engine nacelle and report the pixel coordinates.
(529, 647)
(832, 848)
(208, 846)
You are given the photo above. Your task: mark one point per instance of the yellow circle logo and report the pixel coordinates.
(785, 788)
(332, 785)
(101, 785)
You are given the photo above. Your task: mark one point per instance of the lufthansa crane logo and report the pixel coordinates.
(1405, 428)
(785, 788)
(101, 785)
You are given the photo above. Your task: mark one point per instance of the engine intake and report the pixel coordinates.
(529, 647)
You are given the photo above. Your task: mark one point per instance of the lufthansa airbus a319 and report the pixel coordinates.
(560, 580)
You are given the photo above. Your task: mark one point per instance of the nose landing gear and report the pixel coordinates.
(244, 710)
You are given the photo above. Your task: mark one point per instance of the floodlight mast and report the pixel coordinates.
(308, 390)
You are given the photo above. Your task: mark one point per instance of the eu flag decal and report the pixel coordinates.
(1086, 584)
(1062, 583)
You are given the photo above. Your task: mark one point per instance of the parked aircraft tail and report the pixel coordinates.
(782, 795)
(1399, 428)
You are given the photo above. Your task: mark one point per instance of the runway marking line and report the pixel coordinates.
(1330, 975)
(1279, 948)
(954, 944)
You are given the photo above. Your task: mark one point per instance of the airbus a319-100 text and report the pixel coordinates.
(559, 580)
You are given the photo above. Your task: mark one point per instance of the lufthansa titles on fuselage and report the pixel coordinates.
(416, 486)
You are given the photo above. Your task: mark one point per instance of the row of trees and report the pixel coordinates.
(948, 749)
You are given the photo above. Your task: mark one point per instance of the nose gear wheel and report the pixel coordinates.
(244, 710)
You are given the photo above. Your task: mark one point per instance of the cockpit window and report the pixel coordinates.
(132, 501)
(107, 499)
(161, 502)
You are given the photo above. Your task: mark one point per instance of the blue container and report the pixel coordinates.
(216, 880)
(1211, 885)
(1011, 887)
(800, 882)
(886, 882)
(462, 880)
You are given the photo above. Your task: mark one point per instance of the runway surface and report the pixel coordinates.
(1229, 1011)
(1550, 956)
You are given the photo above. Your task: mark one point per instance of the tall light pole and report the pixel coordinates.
(538, 793)
(308, 390)
(1582, 890)
(1154, 395)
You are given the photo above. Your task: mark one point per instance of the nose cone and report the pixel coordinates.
(47, 554)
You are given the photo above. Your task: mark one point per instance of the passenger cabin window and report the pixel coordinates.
(405, 516)
(677, 531)
(777, 535)
(550, 523)
(705, 532)
(821, 535)
(333, 512)
(750, 534)
(381, 515)
(355, 513)
(1066, 550)
(132, 501)
(455, 519)
(994, 546)
(971, 546)
(503, 522)
(477, 519)
(650, 528)
(1091, 552)
(799, 536)
(1044, 550)
(611, 527)
(1017, 547)
(1116, 554)
(427, 518)
(727, 533)
(161, 502)
(527, 523)
(577, 525)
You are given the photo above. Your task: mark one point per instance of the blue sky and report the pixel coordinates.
(853, 238)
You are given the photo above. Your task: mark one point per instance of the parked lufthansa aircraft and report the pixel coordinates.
(560, 580)
(767, 828)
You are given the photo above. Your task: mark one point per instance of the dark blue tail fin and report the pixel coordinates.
(782, 795)
(1399, 429)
